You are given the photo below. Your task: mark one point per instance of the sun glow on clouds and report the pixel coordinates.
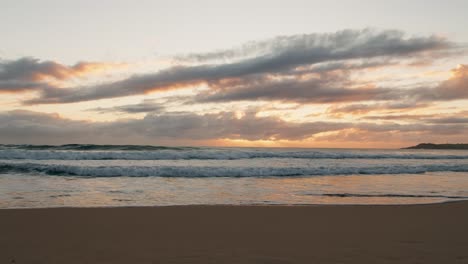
(344, 89)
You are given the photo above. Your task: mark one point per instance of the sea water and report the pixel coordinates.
(107, 175)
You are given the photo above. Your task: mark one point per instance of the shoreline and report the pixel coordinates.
(233, 205)
(422, 233)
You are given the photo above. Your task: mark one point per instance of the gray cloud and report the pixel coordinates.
(145, 106)
(343, 66)
(361, 109)
(227, 125)
(39, 128)
(343, 44)
(398, 117)
(32, 127)
(32, 69)
(452, 89)
(12, 86)
(274, 57)
(391, 133)
(457, 118)
(334, 87)
(24, 127)
(29, 73)
(323, 89)
(449, 120)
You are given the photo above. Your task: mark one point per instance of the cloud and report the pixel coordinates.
(452, 118)
(228, 125)
(322, 89)
(24, 127)
(39, 128)
(32, 74)
(343, 44)
(449, 120)
(276, 57)
(454, 88)
(362, 109)
(397, 117)
(336, 87)
(145, 106)
(395, 135)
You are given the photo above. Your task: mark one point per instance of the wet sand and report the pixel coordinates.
(436, 233)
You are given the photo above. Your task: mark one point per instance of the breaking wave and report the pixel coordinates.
(206, 154)
(89, 147)
(213, 171)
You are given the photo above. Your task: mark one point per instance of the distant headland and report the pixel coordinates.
(438, 146)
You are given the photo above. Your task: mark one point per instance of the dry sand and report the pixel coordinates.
(435, 233)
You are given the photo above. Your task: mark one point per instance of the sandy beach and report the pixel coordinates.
(435, 233)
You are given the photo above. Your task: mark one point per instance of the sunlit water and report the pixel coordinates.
(86, 176)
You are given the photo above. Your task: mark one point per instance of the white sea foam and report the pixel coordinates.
(213, 171)
(211, 154)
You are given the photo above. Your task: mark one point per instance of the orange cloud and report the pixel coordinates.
(29, 74)
(63, 72)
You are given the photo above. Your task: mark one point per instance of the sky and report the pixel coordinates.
(357, 74)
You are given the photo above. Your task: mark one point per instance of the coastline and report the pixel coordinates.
(421, 233)
(238, 205)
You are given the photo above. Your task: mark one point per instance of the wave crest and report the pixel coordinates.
(212, 171)
(207, 154)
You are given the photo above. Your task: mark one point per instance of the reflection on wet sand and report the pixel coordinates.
(48, 191)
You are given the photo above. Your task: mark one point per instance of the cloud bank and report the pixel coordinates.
(271, 69)
(32, 127)
(31, 74)
(319, 71)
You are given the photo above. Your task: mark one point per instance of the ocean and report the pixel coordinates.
(75, 175)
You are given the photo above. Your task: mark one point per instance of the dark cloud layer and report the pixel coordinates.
(33, 127)
(30, 74)
(456, 118)
(144, 107)
(323, 89)
(25, 126)
(362, 109)
(277, 57)
(337, 89)
(344, 44)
